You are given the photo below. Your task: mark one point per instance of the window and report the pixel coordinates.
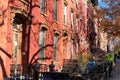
(72, 48)
(77, 45)
(55, 9)
(55, 45)
(77, 24)
(16, 42)
(65, 43)
(71, 19)
(65, 13)
(16, 26)
(42, 37)
(77, 3)
(42, 5)
(15, 47)
(41, 43)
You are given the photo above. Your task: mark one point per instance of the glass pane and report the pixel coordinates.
(41, 42)
(71, 48)
(76, 3)
(55, 9)
(15, 46)
(55, 46)
(14, 26)
(41, 37)
(65, 13)
(77, 25)
(77, 47)
(71, 19)
(42, 6)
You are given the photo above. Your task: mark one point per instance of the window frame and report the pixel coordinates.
(41, 43)
(77, 47)
(16, 42)
(56, 10)
(43, 8)
(44, 30)
(65, 13)
(72, 49)
(77, 24)
(15, 47)
(72, 19)
(55, 47)
(77, 3)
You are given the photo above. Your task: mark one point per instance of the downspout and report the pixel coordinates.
(29, 29)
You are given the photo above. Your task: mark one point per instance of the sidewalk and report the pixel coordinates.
(116, 71)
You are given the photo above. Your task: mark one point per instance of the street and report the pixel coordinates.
(116, 71)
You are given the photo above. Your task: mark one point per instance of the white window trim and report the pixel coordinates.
(42, 7)
(72, 48)
(77, 25)
(65, 13)
(72, 19)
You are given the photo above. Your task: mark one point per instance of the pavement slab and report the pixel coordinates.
(116, 71)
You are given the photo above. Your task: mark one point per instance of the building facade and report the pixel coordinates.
(41, 31)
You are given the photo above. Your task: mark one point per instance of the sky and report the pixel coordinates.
(101, 4)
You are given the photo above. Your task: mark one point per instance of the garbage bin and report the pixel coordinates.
(91, 66)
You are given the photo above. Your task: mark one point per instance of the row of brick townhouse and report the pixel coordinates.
(97, 38)
(41, 31)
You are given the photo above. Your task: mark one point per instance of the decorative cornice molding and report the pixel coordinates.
(16, 10)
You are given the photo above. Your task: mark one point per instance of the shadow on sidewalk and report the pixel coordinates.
(116, 71)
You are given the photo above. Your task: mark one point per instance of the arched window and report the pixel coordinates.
(77, 23)
(72, 48)
(65, 44)
(42, 6)
(77, 47)
(65, 13)
(42, 36)
(56, 35)
(55, 9)
(77, 3)
(16, 43)
(72, 18)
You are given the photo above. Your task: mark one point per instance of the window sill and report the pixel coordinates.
(44, 14)
(25, 2)
(56, 62)
(65, 25)
(42, 62)
(56, 22)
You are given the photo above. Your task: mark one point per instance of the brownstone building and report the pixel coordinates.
(41, 31)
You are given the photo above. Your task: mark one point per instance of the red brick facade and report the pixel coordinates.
(24, 28)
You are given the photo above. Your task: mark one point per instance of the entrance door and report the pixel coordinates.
(16, 43)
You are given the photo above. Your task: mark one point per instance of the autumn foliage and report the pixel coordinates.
(108, 16)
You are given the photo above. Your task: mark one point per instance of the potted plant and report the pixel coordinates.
(83, 59)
